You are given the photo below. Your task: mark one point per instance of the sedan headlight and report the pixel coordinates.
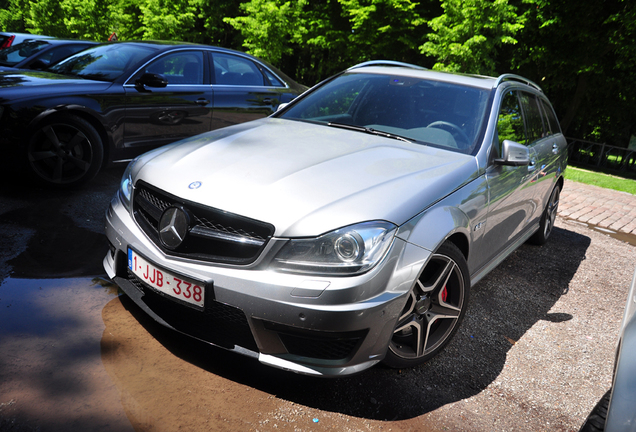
(347, 251)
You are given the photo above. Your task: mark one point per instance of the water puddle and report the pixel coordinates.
(624, 237)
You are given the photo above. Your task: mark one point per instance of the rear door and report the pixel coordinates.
(243, 90)
(549, 145)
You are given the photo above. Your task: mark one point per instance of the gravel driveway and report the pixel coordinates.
(534, 353)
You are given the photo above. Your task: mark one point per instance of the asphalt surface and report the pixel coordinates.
(534, 353)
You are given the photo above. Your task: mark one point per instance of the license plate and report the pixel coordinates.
(185, 289)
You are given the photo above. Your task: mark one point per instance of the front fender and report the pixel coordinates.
(431, 228)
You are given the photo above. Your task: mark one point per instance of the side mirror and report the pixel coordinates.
(513, 154)
(151, 80)
(38, 65)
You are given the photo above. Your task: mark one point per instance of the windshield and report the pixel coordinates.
(418, 110)
(103, 63)
(15, 54)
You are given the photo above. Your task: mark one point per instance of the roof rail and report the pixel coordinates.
(513, 77)
(386, 63)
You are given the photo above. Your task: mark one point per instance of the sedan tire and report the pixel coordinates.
(433, 311)
(65, 152)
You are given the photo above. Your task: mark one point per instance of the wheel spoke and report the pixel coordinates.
(441, 278)
(76, 141)
(52, 136)
(41, 155)
(79, 163)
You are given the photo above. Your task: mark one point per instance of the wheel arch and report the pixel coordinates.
(436, 226)
(78, 111)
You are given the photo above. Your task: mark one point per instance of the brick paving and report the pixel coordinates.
(594, 205)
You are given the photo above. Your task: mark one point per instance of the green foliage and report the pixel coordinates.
(167, 19)
(582, 52)
(466, 38)
(602, 180)
(270, 28)
(12, 15)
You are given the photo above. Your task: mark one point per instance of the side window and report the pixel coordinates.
(234, 70)
(56, 54)
(510, 120)
(534, 120)
(550, 118)
(273, 80)
(183, 67)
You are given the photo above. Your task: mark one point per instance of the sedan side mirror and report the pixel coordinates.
(513, 154)
(151, 80)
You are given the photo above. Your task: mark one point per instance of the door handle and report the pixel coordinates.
(555, 148)
(532, 166)
(202, 102)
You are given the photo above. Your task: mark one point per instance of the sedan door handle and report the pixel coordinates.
(532, 166)
(202, 102)
(555, 148)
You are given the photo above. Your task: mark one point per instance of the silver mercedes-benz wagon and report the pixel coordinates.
(348, 227)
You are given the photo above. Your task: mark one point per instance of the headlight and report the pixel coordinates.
(350, 250)
(126, 186)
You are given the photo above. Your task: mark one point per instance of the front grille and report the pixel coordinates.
(318, 344)
(214, 235)
(220, 324)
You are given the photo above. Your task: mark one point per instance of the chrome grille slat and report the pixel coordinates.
(214, 235)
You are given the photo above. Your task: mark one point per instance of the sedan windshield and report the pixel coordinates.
(15, 54)
(409, 109)
(103, 63)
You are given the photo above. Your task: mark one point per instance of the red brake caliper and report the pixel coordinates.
(444, 294)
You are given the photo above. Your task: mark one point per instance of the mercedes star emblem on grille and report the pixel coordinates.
(173, 227)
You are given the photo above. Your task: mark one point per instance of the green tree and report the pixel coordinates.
(584, 57)
(12, 16)
(168, 19)
(88, 19)
(270, 28)
(467, 37)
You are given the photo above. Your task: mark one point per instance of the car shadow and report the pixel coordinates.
(515, 296)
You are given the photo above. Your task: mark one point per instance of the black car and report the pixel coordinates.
(115, 101)
(40, 53)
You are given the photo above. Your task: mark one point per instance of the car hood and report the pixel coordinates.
(308, 179)
(16, 84)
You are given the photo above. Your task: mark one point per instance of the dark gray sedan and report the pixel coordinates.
(114, 101)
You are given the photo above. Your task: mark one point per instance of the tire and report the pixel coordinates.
(595, 422)
(433, 311)
(547, 219)
(65, 152)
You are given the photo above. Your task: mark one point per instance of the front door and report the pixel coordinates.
(158, 116)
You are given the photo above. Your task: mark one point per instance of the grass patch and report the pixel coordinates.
(602, 180)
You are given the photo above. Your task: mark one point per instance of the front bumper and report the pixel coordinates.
(311, 325)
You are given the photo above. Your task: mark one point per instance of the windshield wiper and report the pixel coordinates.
(369, 131)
